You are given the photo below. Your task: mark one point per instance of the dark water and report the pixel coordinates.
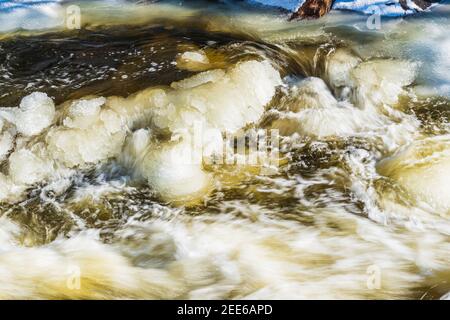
(314, 229)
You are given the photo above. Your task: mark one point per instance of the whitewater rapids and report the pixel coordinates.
(107, 192)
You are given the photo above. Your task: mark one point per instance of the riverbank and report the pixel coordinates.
(101, 199)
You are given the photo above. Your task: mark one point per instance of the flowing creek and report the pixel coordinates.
(101, 197)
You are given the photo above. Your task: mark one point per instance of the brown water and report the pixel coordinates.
(93, 206)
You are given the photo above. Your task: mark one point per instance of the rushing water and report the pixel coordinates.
(98, 200)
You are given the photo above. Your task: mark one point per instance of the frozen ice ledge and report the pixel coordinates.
(44, 14)
(30, 14)
(317, 8)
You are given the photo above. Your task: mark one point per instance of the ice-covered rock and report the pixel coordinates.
(351, 101)
(94, 130)
(35, 113)
(227, 101)
(383, 7)
(422, 169)
(30, 15)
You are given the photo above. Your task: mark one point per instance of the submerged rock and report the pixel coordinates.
(47, 14)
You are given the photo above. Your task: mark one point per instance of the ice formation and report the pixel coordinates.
(422, 168)
(353, 99)
(93, 130)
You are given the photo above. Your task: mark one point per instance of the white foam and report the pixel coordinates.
(83, 113)
(170, 171)
(264, 258)
(381, 81)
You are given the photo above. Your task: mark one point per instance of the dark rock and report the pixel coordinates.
(313, 9)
